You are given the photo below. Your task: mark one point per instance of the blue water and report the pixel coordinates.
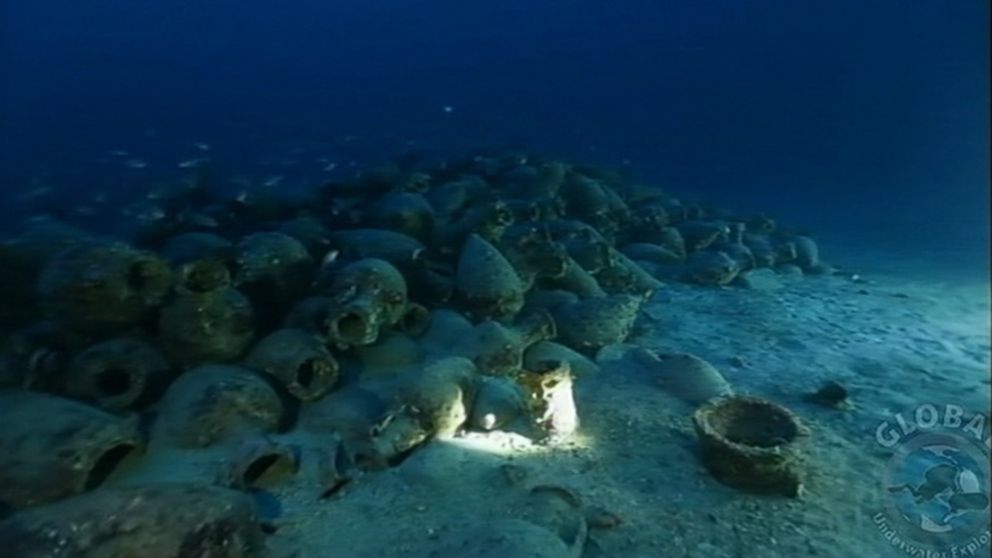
(861, 123)
(864, 121)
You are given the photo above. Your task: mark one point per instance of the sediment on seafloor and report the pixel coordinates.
(384, 312)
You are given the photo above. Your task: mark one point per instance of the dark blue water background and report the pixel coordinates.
(866, 120)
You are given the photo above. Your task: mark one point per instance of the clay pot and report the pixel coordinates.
(189, 247)
(710, 268)
(104, 285)
(366, 296)
(118, 374)
(51, 448)
(650, 252)
(625, 276)
(298, 360)
(273, 269)
(498, 350)
(394, 247)
(203, 276)
(499, 402)
(699, 235)
(214, 326)
(404, 212)
(577, 280)
(310, 232)
(486, 284)
(589, 324)
(685, 376)
(551, 403)
(752, 444)
(259, 463)
(152, 521)
(212, 404)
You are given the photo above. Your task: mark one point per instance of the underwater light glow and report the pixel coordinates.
(498, 442)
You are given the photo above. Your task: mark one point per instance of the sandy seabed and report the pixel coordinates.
(894, 341)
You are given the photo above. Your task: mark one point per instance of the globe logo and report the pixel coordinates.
(937, 487)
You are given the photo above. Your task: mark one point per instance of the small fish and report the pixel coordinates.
(146, 213)
(135, 163)
(330, 257)
(118, 153)
(272, 181)
(190, 163)
(201, 146)
(242, 196)
(330, 166)
(448, 108)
